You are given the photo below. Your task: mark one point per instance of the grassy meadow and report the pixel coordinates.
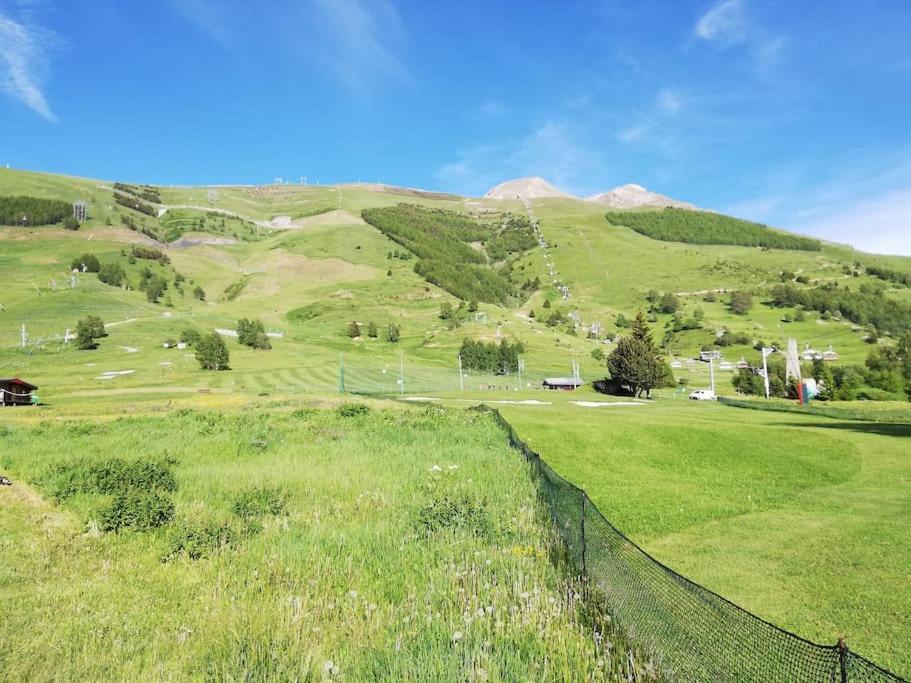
(798, 518)
(398, 553)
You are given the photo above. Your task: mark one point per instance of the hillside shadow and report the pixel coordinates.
(895, 429)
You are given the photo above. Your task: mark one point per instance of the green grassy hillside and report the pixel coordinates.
(304, 262)
(339, 269)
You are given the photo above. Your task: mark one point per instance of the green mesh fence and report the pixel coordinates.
(689, 632)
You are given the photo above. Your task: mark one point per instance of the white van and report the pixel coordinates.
(702, 395)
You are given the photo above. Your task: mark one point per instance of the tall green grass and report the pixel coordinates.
(307, 545)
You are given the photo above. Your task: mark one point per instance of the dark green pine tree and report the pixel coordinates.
(635, 362)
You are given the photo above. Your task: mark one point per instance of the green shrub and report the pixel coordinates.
(259, 502)
(112, 274)
(136, 509)
(452, 511)
(87, 261)
(353, 410)
(190, 337)
(196, 539)
(108, 477)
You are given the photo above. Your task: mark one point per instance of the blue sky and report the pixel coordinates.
(797, 114)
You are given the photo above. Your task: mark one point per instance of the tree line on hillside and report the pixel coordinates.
(131, 202)
(867, 305)
(497, 359)
(703, 227)
(22, 210)
(890, 275)
(146, 192)
(442, 240)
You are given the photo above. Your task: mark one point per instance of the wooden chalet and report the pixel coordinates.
(16, 392)
(563, 383)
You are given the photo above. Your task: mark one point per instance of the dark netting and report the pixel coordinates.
(689, 632)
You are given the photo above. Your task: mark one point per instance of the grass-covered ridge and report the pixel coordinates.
(703, 227)
(457, 252)
(276, 562)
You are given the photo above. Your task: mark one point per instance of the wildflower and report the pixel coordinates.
(453, 467)
(353, 594)
(329, 668)
(436, 468)
(456, 637)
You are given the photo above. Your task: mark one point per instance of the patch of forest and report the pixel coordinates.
(34, 210)
(467, 258)
(703, 227)
(867, 305)
(146, 192)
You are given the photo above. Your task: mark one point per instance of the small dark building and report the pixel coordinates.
(563, 383)
(16, 392)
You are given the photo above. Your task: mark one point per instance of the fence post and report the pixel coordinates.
(584, 543)
(843, 659)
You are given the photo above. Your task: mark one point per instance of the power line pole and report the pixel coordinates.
(402, 373)
(766, 352)
(461, 377)
(24, 336)
(712, 373)
(341, 373)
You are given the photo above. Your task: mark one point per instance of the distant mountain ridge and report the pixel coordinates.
(630, 196)
(527, 188)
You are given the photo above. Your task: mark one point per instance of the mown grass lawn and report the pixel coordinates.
(800, 519)
(409, 547)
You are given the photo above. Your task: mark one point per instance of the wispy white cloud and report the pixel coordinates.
(632, 133)
(25, 62)
(728, 24)
(724, 23)
(864, 202)
(553, 151)
(208, 16)
(669, 101)
(880, 224)
(358, 41)
(769, 53)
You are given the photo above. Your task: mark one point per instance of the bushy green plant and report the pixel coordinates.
(112, 274)
(136, 509)
(259, 502)
(107, 477)
(454, 511)
(88, 331)
(353, 409)
(197, 539)
(190, 337)
(87, 262)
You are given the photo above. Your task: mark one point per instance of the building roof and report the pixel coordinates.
(564, 381)
(17, 382)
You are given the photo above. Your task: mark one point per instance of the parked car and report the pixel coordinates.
(702, 395)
